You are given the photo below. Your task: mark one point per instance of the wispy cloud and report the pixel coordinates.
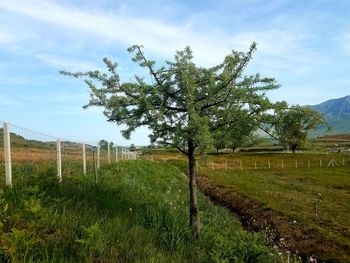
(301, 43)
(6, 37)
(60, 62)
(160, 37)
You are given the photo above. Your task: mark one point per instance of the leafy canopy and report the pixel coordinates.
(293, 125)
(185, 102)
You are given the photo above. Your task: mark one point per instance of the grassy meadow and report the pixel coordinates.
(304, 188)
(133, 212)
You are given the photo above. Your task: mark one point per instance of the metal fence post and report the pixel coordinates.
(84, 159)
(59, 161)
(7, 154)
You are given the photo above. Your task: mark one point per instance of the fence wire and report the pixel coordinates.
(34, 152)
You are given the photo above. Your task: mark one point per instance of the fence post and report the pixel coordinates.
(255, 165)
(296, 163)
(320, 163)
(116, 154)
(308, 164)
(109, 153)
(268, 161)
(240, 162)
(282, 164)
(98, 156)
(59, 161)
(7, 154)
(84, 159)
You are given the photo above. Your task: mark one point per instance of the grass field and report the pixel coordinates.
(316, 198)
(135, 212)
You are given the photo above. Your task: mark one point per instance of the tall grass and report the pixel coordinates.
(134, 212)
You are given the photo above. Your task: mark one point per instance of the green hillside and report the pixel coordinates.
(337, 113)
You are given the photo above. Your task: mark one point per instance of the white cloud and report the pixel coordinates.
(60, 62)
(158, 37)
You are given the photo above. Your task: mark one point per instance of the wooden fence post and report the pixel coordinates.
(282, 164)
(255, 165)
(240, 162)
(269, 164)
(320, 163)
(116, 154)
(7, 154)
(59, 161)
(296, 163)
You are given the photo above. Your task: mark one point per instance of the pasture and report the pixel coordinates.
(137, 211)
(309, 192)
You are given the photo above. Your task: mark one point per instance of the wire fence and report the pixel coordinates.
(24, 151)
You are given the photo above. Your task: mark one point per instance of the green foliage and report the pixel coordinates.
(242, 135)
(185, 102)
(135, 213)
(184, 105)
(292, 125)
(104, 144)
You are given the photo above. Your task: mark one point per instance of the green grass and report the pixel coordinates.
(316, 197)
(136, 212)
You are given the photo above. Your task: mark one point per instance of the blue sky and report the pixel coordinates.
(305, 45)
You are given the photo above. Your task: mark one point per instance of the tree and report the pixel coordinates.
(241, 137)
(184, 105)
(292, 125)
(132, 148)
(242, 134)
(103, 144)
(219, 139)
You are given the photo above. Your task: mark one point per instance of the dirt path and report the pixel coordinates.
(281, 233)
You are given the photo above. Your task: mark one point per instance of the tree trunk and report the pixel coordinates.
(233, 149)
(217, 149)
(194, 216)
(294, 147)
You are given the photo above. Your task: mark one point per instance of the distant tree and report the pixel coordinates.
(293, 124)
(242, 134)
(184, 105)
(103, 144)
(238, 140)
(132, 148)
(219, 139)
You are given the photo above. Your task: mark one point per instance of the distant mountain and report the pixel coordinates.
(337, 113)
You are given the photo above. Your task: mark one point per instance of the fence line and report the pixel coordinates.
(280, 164)
(264, 164)
(26, 146)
